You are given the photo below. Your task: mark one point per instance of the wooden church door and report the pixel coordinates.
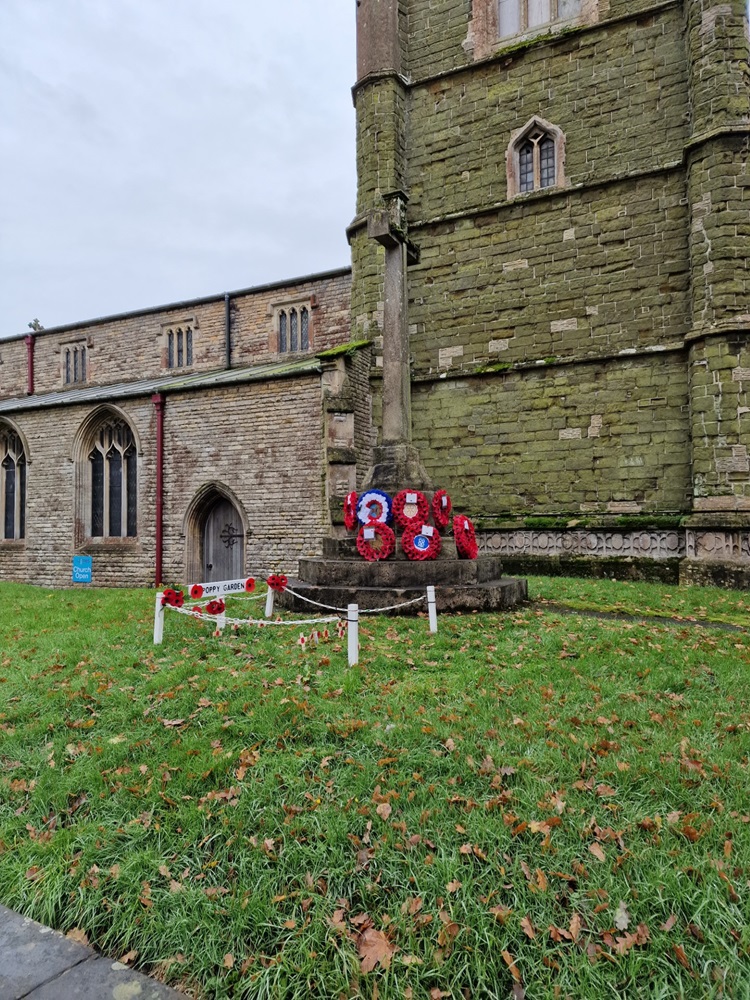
(223, 543)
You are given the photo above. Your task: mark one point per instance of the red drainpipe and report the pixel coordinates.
(30, 364)
(159, 402)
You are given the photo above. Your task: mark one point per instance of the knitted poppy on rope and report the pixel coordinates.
(421, 542)
(249, 585)
(441, 509)
(215, 608)
(375, 541)
(196, 591)
(410, 509)
(277, 582)
(374, 505)
(465, 537)
(350, 510)
(172, 598)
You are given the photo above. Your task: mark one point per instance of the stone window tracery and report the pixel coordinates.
(293, 328)
(74, 363)
(12, 486)
(535, 158)
(113, 481)
(179, 346)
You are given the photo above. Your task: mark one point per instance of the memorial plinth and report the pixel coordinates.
(341, 577)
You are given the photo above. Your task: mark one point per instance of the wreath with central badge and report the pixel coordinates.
(421, 542)
(375, 541)
(374, 505)
(350, 510)
(410, 509)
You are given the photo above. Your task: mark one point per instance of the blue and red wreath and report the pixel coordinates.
(375, 541)
(421, 542)
(410, 509)
(350, 510)
(465, 537)
(441, 509)
(374, 505)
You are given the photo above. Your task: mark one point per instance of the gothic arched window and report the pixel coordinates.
(294, 328)
(12, 485)
(114, 481)
(535, 158)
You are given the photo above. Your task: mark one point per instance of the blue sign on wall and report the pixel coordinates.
(82, 568)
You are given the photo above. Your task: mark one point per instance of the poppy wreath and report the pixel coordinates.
(350, 510)
(374, 505)
(249, 585)
(173, 598)
(215, 608)
(196, 591)
(441, 509)
(410, 509)
(277, 582)
(419, 547)
(465, 538)
(381, 545)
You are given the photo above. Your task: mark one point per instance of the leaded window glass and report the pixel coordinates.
(282, 332)
(74, 364)
(304, 326)
(526, 167)
(535, 161)
(546, 162)
(180, 347)
(12, 486)
(113, 463)
(294, 329)
(517, 16)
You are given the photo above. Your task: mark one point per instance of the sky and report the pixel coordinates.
(154, 150)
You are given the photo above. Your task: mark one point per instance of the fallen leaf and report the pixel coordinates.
(668, 923)
(622, 917)
(528, 928)
(78, 935)
(128, 957)
(374, 948)
(598, 851)
(228, 961)
(575, 926)
(512, 967)
(453, 886)
(384, 810)
(680, 955)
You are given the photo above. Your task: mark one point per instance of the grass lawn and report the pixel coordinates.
(544, 804)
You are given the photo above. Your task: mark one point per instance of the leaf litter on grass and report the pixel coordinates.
(522, 804)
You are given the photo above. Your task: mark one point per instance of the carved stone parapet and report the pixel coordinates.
(602, 544)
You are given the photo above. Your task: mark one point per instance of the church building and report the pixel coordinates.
(552, 220)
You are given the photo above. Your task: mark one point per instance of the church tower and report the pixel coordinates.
(565, 186)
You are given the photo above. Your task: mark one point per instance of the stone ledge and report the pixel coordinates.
(494, 595)
(401, 573)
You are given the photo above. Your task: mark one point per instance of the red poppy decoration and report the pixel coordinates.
(465, 537)
(410, 508)
(350, 511)
(375, 541)
(173, 598)
(421, 542)
(249, 585)
(196, 591)
(215, 608)
(277, 582)
(441, 509)
(197, 610)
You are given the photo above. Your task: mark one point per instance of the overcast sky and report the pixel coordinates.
(158, 150)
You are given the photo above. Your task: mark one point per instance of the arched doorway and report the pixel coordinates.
(222, 542)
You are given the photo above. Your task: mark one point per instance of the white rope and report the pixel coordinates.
(371, 611)
(262, 622)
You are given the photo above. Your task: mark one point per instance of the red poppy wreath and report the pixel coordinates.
(410, 509)
(350, 510)
(421, 542)
(277, 582)
(375, 541)
(465, 538)
(441, 509)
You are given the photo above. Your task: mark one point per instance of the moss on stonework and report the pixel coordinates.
(348, 349)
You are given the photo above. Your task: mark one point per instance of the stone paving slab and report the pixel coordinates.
(37, 963)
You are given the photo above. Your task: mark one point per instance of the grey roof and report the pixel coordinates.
(169, 383)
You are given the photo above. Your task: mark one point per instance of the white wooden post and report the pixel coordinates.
(432, 609)
(352, 617)
(269, 603)
(221, 621)
(158, 619)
